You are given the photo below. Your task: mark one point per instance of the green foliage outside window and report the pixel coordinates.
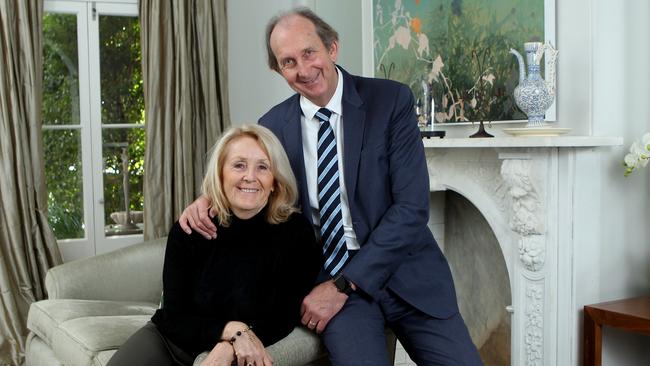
(62, 148)
(122, 102)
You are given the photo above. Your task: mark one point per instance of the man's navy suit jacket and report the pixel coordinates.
(388, 192)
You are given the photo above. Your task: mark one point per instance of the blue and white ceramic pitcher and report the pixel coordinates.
(533, 95)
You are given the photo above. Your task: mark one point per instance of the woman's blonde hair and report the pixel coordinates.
(285, 192)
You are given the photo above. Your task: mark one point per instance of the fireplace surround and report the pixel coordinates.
(540, 197)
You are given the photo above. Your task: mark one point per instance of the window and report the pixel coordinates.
(93, 124)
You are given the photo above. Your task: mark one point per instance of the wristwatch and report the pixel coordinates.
(342, 284)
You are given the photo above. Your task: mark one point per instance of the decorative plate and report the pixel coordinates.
(536, 131)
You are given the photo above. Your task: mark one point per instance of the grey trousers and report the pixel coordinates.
(148, 347)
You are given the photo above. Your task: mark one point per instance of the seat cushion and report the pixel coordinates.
(45, 316)
(78, 341)
(37, 353)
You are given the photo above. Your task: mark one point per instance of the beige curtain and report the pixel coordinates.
(27, 244)
(185, 89)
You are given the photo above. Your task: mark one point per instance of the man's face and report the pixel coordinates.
(304, 61)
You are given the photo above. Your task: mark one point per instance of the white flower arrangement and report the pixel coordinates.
(638, 155)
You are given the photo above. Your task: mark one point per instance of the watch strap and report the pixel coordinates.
(342, 284)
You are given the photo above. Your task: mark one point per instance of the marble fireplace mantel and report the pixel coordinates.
(530, 141)
(541, 197)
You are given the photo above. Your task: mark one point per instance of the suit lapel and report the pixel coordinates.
(292, 137)
(354, 120)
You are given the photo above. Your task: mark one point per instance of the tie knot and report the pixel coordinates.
(323, 114)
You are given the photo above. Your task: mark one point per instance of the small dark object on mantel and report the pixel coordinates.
(481, 132)
(430, 134)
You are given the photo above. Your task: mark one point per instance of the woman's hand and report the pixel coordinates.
(249, 350)
(222, 354)
(198, 216)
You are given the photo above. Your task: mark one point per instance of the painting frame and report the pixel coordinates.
(368, 62)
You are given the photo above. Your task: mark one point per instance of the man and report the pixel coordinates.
(366, 191)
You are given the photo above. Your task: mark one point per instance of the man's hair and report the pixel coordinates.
(325, 32)
(285, 192)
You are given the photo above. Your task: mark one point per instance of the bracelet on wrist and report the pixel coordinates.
(239, 333)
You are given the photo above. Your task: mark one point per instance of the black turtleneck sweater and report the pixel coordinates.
(254, 272)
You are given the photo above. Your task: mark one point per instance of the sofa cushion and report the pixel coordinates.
(103, 357)
(78, 341)
(45, 316)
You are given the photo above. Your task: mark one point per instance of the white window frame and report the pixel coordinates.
(90, 125)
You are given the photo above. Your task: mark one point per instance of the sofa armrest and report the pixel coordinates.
(133, 273)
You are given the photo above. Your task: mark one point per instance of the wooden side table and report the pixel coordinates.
(627, 314)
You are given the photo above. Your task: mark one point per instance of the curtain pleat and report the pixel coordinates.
(184, 67)
(27, 244)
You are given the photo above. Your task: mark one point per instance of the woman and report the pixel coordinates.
(241, 292)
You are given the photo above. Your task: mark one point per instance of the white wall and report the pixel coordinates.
(252, 87)
(621, 96)
(603, 89)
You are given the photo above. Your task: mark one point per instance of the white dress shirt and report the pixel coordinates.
(310, 126)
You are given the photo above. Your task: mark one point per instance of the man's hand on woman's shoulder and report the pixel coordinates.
(198, 216)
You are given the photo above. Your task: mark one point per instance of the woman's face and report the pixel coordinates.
(247, 177)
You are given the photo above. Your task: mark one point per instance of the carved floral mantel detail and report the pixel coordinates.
(523, 172)
(527, 213)
(534, 325)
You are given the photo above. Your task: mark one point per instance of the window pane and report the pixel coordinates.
(60, 70)
(121, 70)
(63, 176)
(123, 151)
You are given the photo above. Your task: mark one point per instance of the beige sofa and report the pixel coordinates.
(96, 303)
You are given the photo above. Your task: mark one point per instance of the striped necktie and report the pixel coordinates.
(329, 197)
